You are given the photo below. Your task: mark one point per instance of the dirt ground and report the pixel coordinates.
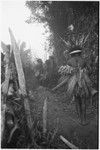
(61, 114)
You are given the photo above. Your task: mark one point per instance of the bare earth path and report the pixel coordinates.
(60, 110)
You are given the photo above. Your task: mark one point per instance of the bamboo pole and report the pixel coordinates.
(72, 146)
(21, 77)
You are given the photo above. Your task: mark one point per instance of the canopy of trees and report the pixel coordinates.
(72, 23)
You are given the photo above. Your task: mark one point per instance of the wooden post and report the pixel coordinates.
(21, 77)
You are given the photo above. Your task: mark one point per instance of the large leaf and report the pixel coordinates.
(18, 63)
(21, 77)
(22, 46)
(4, 47)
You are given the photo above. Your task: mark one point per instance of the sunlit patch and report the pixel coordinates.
(14, 14)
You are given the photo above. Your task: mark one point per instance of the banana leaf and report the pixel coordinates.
(21, 78)
(18, 63)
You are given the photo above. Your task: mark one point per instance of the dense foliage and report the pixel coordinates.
(72, 23)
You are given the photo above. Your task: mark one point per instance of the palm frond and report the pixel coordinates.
(81, 39)
(89, 85)
(87, 80)
(80, 78)
(84, 82)
(85, 88)
(71, 85)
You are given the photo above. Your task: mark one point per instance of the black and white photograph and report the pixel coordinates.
(49, 74)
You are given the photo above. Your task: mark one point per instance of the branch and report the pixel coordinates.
(60, 85)
(67, 43)
(72, 146)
